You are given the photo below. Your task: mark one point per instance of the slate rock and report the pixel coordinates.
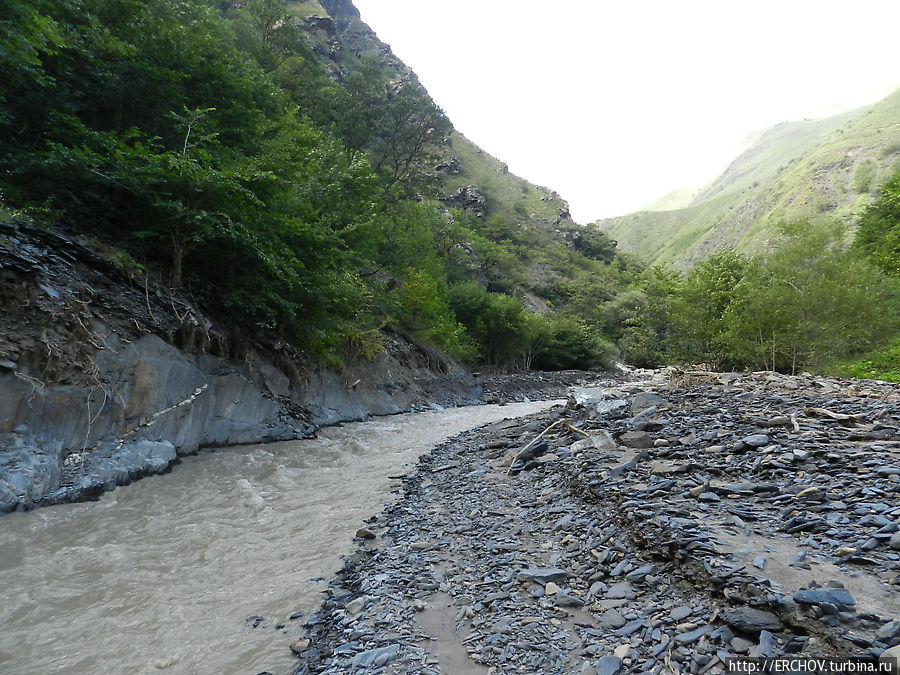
(837, 597)
(608, 665)
(889, 632)
(636, 439)
(680, 613)
(630, 628)
(542, 575)
(619, 591)
(741, 645)
(750, 620)
(756, 440)
(617, 471)
(376, 657)
(767, 643)
(565, 599)
(640, 573)
(692, 636)
(612, 619)
(644, 400)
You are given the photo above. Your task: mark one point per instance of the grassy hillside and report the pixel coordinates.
(676, 199)
(806, 169)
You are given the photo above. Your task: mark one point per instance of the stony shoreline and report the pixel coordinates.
(107, 376)
(663, 524)
(35, 470)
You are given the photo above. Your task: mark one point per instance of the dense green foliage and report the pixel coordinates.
(205, 139)
(879, 229)
(807, 304)
(879, 364)
(174, 132)
(878, 238)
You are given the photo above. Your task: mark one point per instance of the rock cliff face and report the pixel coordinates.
(102, 381)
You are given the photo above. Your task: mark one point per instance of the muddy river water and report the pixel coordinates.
(161, 576)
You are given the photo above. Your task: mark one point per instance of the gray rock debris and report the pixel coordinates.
(512, 557)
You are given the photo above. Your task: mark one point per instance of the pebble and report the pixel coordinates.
(830, 596)
(609, 665)
(300, 646)
(612, 619)
(750, 620)
(890, 656)
(741, 645)
(643, 533)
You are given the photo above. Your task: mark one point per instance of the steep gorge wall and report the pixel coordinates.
(102, 381)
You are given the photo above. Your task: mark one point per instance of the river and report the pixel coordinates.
(161, 576)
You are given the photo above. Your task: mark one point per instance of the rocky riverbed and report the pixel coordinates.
(661, 524)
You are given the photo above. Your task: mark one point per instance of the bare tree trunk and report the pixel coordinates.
(178, 253)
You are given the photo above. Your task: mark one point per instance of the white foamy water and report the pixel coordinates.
(159, 576)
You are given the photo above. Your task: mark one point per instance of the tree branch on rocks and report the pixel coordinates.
(532, 442)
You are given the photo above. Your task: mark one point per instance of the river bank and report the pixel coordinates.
(107, 376)
(660, 525)
(195, 571)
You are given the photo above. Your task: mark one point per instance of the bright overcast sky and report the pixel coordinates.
(614, 104)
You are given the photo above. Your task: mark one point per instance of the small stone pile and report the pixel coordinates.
(659, 525)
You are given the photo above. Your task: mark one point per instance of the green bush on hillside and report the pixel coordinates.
(878, 235)
(805, 305)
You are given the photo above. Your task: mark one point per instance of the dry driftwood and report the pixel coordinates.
(839, 417)
(532, 442)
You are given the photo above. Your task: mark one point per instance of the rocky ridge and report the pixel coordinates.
(660, 525)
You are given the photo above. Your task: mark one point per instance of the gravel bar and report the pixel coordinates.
(659, 523)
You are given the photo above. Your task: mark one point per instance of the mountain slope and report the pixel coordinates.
(809, 169)
(344, 44)
(532, 249)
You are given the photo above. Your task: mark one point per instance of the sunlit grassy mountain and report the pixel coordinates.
(809, 169)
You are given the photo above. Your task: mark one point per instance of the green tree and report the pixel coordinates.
(698, 330)
(878, 235)
(809, 303)
(595, 244)
(494, 320)
(638, 318)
